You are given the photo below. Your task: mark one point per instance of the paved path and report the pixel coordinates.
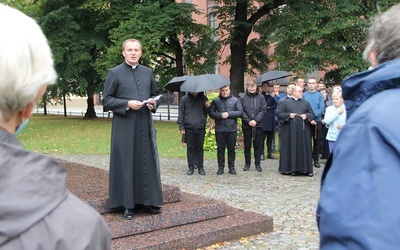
(290, 201)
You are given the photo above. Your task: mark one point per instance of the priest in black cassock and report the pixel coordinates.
(295, 114)
(134, 164)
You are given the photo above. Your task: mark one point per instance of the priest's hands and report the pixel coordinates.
(150, 104)
(135, 105)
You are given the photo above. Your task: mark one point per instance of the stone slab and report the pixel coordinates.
(191, 209)
(238, 223)
(91, 185)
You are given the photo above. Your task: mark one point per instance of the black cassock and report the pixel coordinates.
(134, 163)
(295, 153)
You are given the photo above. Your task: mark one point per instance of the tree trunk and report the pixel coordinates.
(90, 111)
(44, 102)
(65, 105)
(238, 64)
(240, 33)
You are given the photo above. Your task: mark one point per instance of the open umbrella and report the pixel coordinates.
(204, 82)
(271, 75)
(175, 83)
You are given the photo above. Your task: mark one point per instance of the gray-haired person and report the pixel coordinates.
(359, 203)
(36, 209)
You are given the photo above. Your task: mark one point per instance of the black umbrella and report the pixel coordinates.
(271, 75)
(176, 82)
(204, 82)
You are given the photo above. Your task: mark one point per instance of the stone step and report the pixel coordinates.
(191, 209)
(236, 224)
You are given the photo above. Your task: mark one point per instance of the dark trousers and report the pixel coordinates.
(316, 138)
(270, 135)
(324, 145)
(226, 140)
(253, 136)
(195, 147)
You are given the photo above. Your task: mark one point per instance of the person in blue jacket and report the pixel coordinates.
(359, 203)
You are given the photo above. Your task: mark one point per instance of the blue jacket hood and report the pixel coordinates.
(359, 87)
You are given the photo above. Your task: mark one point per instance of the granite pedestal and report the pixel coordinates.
(188, 221)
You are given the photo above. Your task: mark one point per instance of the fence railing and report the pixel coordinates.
(164, 113)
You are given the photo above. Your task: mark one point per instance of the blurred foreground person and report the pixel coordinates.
(36, 209)
(359, 203)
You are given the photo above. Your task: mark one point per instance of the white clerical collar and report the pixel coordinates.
(133, 67)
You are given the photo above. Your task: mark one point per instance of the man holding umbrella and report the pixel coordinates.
(192, 118)
(254, 108)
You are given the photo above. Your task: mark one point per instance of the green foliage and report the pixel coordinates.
(170, 40)
(69, 27)
(320, 34)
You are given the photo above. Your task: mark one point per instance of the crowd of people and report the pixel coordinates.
(307, 119)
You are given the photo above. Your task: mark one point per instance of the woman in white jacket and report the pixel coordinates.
(335, 119)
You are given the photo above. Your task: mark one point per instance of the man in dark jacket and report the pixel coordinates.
(192, 120)
(359, 203)
(269, 122)
(225, 109)
(254, 109)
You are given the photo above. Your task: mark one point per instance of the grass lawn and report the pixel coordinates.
(56, 134)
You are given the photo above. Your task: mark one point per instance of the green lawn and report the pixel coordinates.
(56, 134)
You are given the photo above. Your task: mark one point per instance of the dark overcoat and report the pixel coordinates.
(134, 163)
(268, 121)
(295, 153)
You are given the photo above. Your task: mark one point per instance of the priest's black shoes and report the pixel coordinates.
(153, 209)
(128, 214)
(316, 164)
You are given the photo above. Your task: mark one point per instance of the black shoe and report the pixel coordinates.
(232, 171)
(246, 167)
(258, 168)
(153, 209)
(201, 171)
(310, 174)
(262, 157)
(128, 214)
(286, 173)
(295, 174)
(316, 164)
(190, 171)
(220, 171)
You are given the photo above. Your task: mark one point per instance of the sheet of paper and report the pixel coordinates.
(155, 98)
